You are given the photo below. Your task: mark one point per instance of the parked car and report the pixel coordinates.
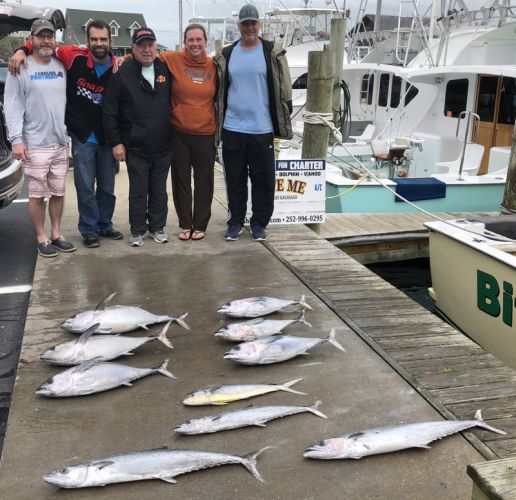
(16, 17)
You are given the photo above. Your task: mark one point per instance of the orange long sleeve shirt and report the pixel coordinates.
(194, 84)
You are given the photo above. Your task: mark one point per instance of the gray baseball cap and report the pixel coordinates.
(41, 24)
(248, 13)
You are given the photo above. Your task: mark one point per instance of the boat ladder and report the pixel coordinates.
(470, 118)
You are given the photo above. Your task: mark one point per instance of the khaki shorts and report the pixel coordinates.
(45, 171)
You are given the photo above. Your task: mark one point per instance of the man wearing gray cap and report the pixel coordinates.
(257, 107)
(35, 115)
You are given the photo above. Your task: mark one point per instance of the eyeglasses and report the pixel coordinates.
(50, 36)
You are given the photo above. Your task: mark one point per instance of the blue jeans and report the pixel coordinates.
(94, 163)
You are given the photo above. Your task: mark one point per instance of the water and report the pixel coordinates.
(412, 277)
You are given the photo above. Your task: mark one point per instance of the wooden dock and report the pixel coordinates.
(451, 371)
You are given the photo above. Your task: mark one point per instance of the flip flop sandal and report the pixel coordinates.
(185, 235)
(198, 235)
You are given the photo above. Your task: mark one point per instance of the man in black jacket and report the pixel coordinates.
(137, 126)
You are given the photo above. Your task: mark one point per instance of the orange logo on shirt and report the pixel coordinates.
(161, 79)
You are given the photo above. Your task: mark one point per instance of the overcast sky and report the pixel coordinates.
(162, 15)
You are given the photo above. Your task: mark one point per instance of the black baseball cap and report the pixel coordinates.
(143, 34)
(248, 13)
(41, 24)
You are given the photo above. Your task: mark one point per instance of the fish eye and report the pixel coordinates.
(321, 443)
(62, 471)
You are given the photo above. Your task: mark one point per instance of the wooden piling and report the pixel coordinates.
(509, 197)
(319, 96)
(338, 34)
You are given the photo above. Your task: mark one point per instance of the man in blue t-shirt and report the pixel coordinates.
(254, 114)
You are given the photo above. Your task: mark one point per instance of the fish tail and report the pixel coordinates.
(302, 319)
(287, 387)
(333, 340)
(313, 409)
(303, 304)
(481, 423)
(163, 370)
(249, 462)
(162, 337)
(180, 321)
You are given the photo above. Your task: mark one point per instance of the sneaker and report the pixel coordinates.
(258, 232)
(62, 245)
(46, 249)
(91, 241)
(159, 236)
(112, 234)
(233, 232)
(136, 240)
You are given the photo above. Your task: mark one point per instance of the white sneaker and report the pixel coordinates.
(159, 236)
(136, 240)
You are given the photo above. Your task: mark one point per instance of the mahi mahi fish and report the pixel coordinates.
(388, 439)
(276, 349)
(116, 319)
(257, 328)
(161, 463)
(224, 394)
(102, 347)
(95, 376)
(258, 416)
(254, 307)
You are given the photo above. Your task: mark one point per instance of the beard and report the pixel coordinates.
(99, 52)
(44, 51)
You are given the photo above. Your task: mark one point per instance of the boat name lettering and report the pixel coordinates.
(488, 297)
(291, 186)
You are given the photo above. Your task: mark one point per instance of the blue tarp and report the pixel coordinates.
(424, 188)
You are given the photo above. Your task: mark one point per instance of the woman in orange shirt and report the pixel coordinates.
(194, 123)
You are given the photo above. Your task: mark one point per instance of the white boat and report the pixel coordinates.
(474, 280)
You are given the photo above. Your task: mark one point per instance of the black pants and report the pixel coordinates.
(197, 153)
(147, 192)
(249, 155)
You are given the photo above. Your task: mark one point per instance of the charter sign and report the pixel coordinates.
(300, 192)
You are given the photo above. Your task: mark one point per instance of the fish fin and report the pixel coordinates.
(168, 479)
(303, 303)
(105, 301)
(162, 337)
(260, 424)
(128, 384)
(287, 387)
(145, 327)
(313, 409)
(302, 319)
(86, 365)
(483, 425)
(180, 321)
(128, 354)
(425, 446)
(163, 370)
(104, 463)
(249, 462)
(87, 334)
(332, 340)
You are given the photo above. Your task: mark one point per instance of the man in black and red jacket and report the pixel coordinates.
(88, 72)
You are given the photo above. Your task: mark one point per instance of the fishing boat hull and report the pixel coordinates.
(474, 283)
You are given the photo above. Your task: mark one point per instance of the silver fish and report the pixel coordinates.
(276, 349)
(242, 418)
(161, 463)
(116, 319)
(224, 394)
(254, 307)
(102, 347)
(95, 376)
(388, 439)
(257, 328)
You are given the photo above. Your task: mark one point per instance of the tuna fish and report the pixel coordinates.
(102, 347)
(116, 319)
(161, 463)
(254, 307)
(242, 418)
(276, 349)
(224, 394)
(388, 439)
(95, 376)
(257, 328)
